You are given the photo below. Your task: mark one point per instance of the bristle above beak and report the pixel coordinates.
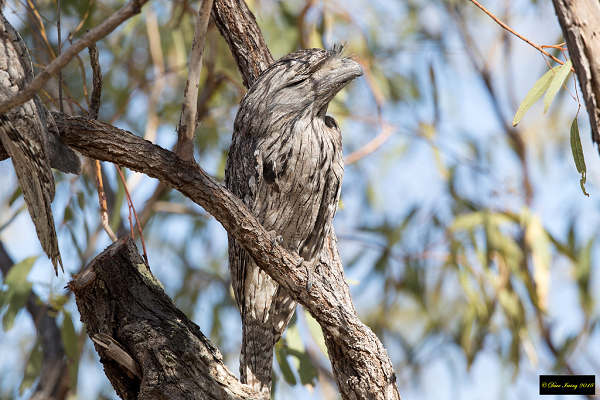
(337, 50)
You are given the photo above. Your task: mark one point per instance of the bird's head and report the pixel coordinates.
(299, 85)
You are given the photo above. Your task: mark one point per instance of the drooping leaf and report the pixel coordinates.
(535, 93)
(578, 154)
(284, 366)
(18, 290)
(316, 332)
(32, 369)
(539, 243)
(70, 343)
(307, 371)
(556, 83)
(583, 269)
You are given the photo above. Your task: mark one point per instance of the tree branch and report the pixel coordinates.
(241, 32)
(129, 317)
(132, 8)
(360, 362)
(188, 121)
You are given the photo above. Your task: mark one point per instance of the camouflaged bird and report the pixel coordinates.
(28, 135)
(285, 163)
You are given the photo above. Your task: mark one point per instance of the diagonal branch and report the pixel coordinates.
(237, 25)
(132, 8)
(361, 358)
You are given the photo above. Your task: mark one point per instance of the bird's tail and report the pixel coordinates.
(256, 358)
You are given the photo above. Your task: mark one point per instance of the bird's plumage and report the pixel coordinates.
(285, 162)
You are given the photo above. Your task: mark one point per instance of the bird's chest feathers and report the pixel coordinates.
(294, 164)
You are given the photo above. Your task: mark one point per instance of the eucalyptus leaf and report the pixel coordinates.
(32, 369)
(535, 93)
(18, 290)
(578, 154)
(71, 344)
(284, 366)
(556, 83)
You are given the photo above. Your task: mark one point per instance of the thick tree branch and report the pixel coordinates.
(129, 317)
(363, 362)
(132, 8)
(580, 23)
(241, 32)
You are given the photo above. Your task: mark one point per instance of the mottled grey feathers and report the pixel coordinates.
(285, 162)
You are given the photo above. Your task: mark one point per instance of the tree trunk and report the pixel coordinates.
(580, 23)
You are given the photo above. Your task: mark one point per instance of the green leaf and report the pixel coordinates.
(70, 343)
(539, 243)
(32, 369)
(578, 154)
(16, 194)
(307, 371)
(538, 89)
(18, 290)
(556, 83)
(284, 366)
(316, 332)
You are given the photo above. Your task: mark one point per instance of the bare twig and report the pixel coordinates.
(523, 38)
(188, 121)
(60, 102)
(96, 81)
(132, 8)
(386, 132)
(132, 208)
(102, 200)
(93, 113)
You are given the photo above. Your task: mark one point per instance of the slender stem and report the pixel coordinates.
(188, 121)
(60, 102)
(523, 38)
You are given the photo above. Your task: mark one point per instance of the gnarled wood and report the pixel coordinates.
(124, 306)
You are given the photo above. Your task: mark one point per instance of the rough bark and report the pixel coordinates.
(580, 23)
(241, 32)
(129, 317)
(361, 366)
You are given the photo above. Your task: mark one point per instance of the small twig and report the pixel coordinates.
(132, 8)
(188, 121)
(93, 113)
(60, 102)
(371, 146)
(502, 24)
(96, 80)
(102, 200)
(131, 207)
